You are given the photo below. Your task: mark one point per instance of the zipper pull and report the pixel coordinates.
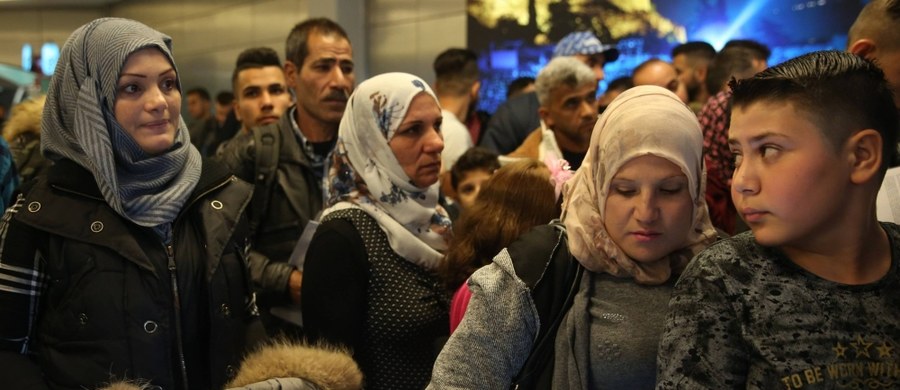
(170, 252)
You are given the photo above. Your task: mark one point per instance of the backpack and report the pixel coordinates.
(266, 150)
(553, 283)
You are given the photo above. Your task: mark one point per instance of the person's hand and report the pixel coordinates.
(294, 283)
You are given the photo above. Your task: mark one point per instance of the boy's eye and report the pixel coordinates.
(768, 150)
(735, 155)
(466, 189)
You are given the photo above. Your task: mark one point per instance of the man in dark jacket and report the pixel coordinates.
(319, 68)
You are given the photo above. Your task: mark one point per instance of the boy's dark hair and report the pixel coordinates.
(695, 50)
(518, 85)
(199, 91)
(735, 61)
(760, 51)
(225, 98)
(840, 92)
(297, 45)
(254, 58)
(474, 158)
(455, 71)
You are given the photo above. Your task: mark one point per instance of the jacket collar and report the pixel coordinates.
(68, 175)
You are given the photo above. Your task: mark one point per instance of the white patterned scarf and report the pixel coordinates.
(79, 124)
(644, 120)
(365, 173)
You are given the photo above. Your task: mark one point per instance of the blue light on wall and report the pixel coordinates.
(26, 57)
(788, 27)
(49, 56)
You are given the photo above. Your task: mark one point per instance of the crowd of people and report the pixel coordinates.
(705, 223)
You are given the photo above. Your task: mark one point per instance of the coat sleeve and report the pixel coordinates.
(701, 347)
(335, 283)
(22, 282)
(511, 124)
(237, 155)
(487, 350)
(498, 136)
(270, 279)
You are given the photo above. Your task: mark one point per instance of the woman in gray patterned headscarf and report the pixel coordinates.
(127, 259)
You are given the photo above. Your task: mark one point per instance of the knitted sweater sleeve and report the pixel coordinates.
(495, 336)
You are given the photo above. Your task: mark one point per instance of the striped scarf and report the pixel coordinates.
(79, 125)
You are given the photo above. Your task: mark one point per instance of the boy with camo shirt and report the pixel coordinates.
(810, 298)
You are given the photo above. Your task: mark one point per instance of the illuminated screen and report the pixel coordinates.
(515, 38)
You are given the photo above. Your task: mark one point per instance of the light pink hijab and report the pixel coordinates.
(644, 120)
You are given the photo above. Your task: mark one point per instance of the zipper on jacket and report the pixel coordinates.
(170, 252)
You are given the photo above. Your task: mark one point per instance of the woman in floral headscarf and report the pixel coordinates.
(634, 215)
(369, 280)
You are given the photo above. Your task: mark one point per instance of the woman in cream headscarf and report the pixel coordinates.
(126, 260)
(634, 215)
(369, 280)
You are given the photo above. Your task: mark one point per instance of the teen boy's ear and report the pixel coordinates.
(863, 47)
(865, 149)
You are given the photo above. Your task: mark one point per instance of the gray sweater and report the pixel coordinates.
(494, 338)
(501, 322)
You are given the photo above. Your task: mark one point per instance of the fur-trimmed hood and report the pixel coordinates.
(325, 367)
(288, 366)
(24, 117)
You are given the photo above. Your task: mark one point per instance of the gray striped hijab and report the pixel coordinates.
(79, 124)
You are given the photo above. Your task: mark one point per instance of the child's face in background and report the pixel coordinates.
(470, 185)
(789, 182)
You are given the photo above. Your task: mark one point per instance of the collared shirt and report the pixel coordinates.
(715, 119)
(318, 153)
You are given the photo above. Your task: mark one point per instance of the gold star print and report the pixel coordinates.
(839, 350)
(885, 350)
(861, 346)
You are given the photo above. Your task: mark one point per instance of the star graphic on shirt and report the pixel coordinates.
(861, 346)
(839, 350)
(885, 350)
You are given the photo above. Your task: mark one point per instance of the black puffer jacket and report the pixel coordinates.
(101, 293)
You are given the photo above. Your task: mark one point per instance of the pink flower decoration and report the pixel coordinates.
(560, 173)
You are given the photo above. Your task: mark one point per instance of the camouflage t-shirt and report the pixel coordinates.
(744, 316)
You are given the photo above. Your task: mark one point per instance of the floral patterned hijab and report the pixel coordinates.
(365, 173)
(644, 120)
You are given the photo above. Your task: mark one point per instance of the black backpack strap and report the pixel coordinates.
(266, 148)
(553, 282)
